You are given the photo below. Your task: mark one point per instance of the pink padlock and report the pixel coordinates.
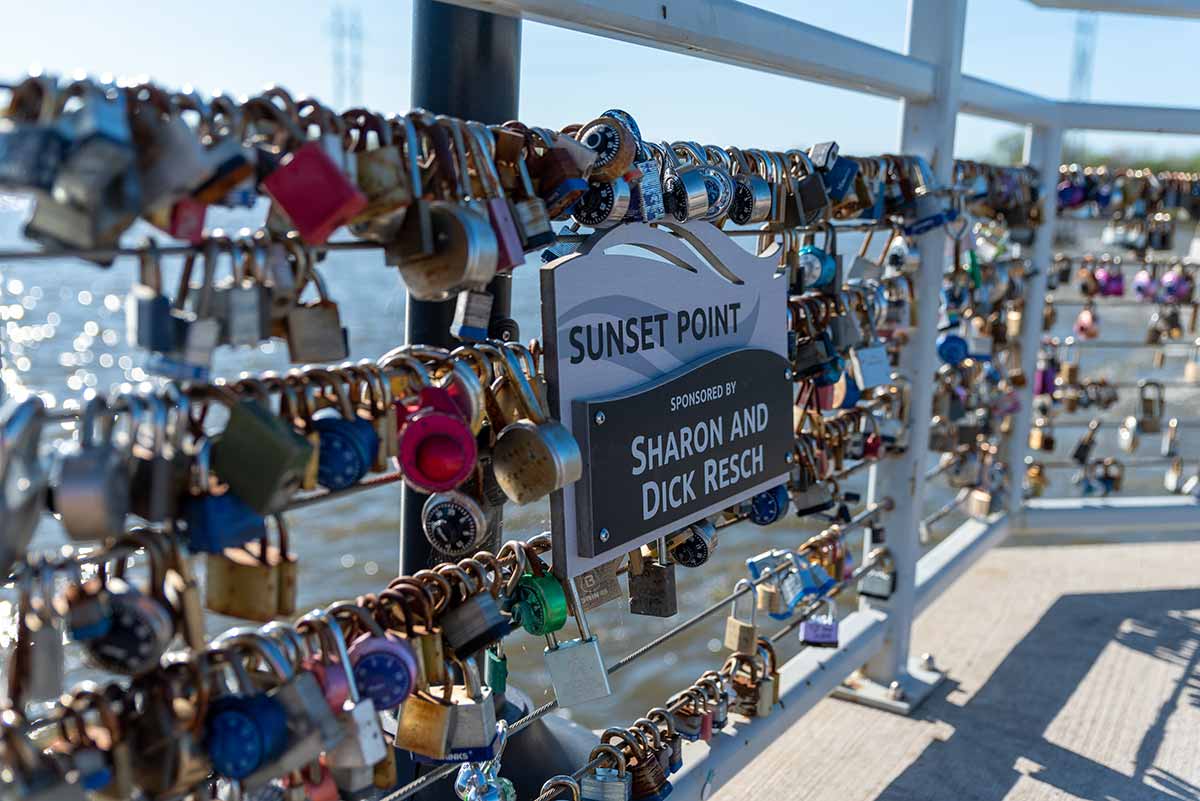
(314, 192)
(317, 781)
(330, 673)
(437, 450)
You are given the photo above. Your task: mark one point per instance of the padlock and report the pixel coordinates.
(1173, 478)
(817, 267)
(878, 583)
(100, 146)
(685, 193)
(363, 745)
(197, 331)
(652, 583)
(437, 449)
(171, 160)
(740, 634)
(148, 320)
(576, 667)
(22, 476)
(349, 443)
(425, 721)
(384, 666)
(603, 783)
(1041, 437)
(92, 490)
(539, 599)
(314, 330)
(244, 303)
(31, 773)
(476, 621)
(36, 667)
(821, 630)
(245, 727)
(693, 546)
(1151, 403)
(215, 517)
(1082, 452)
(533, 455)
(529, 210)
(311, 726)
(481, 146)
(142, 621)
(310, 187)
(380, 171)
(473, 733)
(260, 457)
(769, 506)
(745, 677)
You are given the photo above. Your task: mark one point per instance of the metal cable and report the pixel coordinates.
(419, 784)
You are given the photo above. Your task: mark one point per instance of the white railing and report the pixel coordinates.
(927, 79)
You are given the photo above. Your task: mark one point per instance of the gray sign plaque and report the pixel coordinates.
(675, 337)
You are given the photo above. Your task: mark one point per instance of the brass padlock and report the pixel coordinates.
(241, 584)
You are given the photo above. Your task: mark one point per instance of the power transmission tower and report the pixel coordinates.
(346, 37)
(1082, 63)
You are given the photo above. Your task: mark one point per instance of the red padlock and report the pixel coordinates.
(183, 219)
(872, 442)
(437, 448)
(317, 780)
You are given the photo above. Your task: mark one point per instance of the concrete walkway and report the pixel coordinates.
(1074, 673)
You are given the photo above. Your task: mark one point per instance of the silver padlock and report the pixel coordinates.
(363, 745)
(576, 667)
(92, 491)
(22, 477)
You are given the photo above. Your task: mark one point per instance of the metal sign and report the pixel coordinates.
(671, 371)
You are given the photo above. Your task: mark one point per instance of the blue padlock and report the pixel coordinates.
(853, 393)
(818, 267)
(839, 178)
(769, 506)
(218, 521)
(348, 443)
(952, 349)
(245, 728)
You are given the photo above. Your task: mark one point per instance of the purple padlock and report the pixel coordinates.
(1145, 285)
(1176, 286)
(820, 630)
(384, 666)
(1043, 377)
(1111, 280)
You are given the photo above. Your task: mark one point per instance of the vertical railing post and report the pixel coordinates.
(1043, 150)
(467, 64)
(935, 34)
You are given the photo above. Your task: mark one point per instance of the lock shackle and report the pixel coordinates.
(625, 737)
(401, 365)
(384, 611)
(561, 781)
(412, 590)
(484, 157)
(246, 643)
(88, 697)
(358, 389)
(649, 729)
(765, 646)
(467, 585)
(736, 661)
(711, 688)
(358, 619)
(327, 380)
(294, 646)
(329, 630)
(660, 715)
(432, 581)
(614, 756)
(480, 573)
(753, 593)
(96, 409)
(527, 398)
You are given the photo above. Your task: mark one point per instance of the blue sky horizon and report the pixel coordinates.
(569, 77)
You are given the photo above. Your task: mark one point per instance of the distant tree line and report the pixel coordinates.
(1008, 149)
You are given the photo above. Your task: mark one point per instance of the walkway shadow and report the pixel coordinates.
(999, 734)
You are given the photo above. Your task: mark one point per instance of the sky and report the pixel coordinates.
(240, 46)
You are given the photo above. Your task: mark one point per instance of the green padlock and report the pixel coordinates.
(258, 455)
(541, 601)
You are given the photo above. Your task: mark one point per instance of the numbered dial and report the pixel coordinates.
(604, 204)
(695, 550)
(453, 523)
(614, 144)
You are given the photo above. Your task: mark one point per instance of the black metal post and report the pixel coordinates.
(466, 64)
